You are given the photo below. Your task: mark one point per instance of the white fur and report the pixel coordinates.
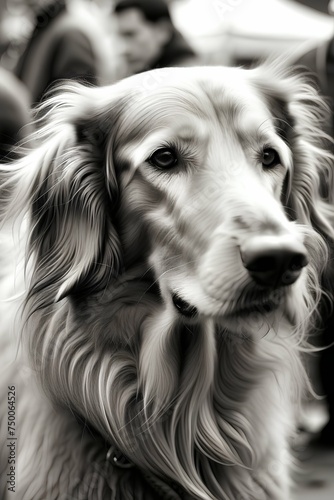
(208, 403)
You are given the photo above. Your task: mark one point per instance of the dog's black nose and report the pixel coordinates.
(274, 261)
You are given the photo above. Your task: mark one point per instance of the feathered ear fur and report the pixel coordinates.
(301, 116)
(70, 188)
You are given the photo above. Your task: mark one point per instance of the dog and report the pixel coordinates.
(174, 230)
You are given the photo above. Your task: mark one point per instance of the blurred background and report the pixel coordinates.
(222, 31)
(101, 41)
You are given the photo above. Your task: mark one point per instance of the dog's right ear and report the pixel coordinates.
(300, 114)
(68, 187)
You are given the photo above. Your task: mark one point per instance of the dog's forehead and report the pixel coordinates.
(172, 96)
(157, 81)
(222, 85)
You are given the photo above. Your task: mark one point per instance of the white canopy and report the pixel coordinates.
(249, 28)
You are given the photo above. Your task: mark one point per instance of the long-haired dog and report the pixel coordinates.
(174, 236)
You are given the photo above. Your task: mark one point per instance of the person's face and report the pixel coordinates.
(143, 41)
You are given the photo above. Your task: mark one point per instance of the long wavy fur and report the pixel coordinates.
(196, 404)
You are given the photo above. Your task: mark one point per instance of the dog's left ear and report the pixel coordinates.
(301, 114)
(68, 185)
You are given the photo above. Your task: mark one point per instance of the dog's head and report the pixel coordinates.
(210, 177)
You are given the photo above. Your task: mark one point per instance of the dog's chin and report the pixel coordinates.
(254, 319)
(262, 308)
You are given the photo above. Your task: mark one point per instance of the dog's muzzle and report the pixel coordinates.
(274, 261)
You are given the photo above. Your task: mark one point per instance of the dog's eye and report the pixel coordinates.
(163, 158)
(270, 158)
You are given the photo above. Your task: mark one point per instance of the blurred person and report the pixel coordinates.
(319, 59)
(150, 39)
(2, 42)
(67, 42)
(14, 113)
(14, 106)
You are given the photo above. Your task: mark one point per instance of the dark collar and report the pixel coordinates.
(166, 490)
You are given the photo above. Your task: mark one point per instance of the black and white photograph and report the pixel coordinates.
(166, 249)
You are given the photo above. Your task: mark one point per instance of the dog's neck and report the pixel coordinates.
(202, 382)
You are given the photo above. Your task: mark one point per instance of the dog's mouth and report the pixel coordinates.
(260, 305)
(265, 307)
(183, 307)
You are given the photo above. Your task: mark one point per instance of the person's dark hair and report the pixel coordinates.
(153, 10)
